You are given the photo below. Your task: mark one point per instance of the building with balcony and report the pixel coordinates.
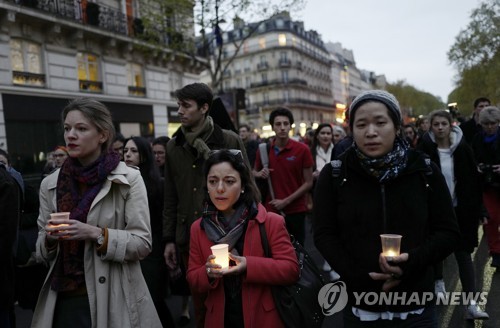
(52, 51)
(278, 63)
(347, 79)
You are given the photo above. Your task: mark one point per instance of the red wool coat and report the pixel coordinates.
(259, 309)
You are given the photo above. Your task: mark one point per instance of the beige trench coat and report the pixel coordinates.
(118, 294)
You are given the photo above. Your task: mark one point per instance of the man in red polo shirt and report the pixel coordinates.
(290, 169)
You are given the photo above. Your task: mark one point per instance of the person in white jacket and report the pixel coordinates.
(95, 278)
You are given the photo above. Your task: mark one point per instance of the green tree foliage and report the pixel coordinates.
(168, 23)
(414, 102)
(476, 56)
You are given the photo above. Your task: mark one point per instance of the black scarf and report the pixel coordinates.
(390, 165)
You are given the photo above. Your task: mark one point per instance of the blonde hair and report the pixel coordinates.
(97, 114)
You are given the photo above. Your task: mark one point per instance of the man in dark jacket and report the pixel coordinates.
(186, 154)
(9, 209)
(251, 145)
(472, 126)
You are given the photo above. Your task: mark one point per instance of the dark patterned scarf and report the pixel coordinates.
(390, 165)
(77, 186)
(222, 230)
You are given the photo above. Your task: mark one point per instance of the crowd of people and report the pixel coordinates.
(119, 223)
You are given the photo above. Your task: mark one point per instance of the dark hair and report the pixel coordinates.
(246, 126)
(280, 111)
(251, 193)
(440, 113)
(421, 120)
(163, 140)
(199, 92)
(149, 171)
(315, 141)
(413, 127)
(97, 114)
(480, 100)
(119, 137)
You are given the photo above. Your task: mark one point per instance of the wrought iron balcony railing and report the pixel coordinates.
(90, 86)
(137, 91)
(28, 79)
(88, 13)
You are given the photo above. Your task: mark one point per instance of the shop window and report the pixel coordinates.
(26, 60)
(135, 76)
(89, 73)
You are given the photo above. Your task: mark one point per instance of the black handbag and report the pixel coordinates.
(298, 304)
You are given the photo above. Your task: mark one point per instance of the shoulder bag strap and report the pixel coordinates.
(263, 238)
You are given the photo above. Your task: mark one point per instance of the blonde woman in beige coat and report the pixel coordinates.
(95, 278)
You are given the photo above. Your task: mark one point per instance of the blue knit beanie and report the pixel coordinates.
(379, 96)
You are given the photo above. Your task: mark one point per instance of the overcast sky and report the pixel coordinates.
(402, 39)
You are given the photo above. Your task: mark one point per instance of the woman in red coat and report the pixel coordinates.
(238, 296)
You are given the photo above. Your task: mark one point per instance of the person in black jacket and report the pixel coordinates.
(369, 197)
(9, 209)
(251, 145)
(138, 152)
(472, 127)
(486, 147)
(446, 146)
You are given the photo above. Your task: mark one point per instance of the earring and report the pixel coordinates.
(243, 191)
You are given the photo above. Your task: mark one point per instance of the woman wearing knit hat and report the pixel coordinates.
(365, 194)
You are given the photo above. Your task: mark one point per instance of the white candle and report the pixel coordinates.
(221, 252)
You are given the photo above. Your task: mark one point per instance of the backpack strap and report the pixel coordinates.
(428, 171)
(337, 172)
(264, 240)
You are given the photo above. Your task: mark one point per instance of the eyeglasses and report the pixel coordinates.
(59, 155)
(234, 152)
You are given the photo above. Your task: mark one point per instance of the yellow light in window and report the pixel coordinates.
(282, 39)
(262, 43)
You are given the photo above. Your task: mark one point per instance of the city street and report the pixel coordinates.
(449, 316)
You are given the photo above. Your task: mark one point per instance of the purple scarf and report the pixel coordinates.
(77, 186)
